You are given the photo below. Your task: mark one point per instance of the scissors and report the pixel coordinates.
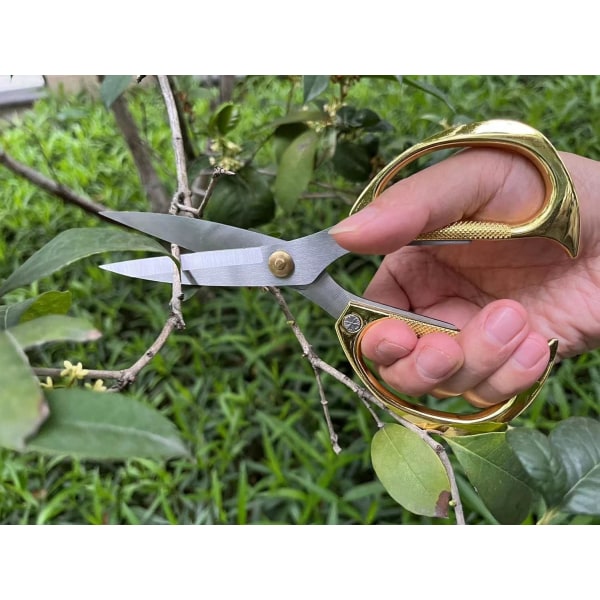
(223, 255)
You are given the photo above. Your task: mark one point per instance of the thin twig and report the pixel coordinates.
(217, 172)
(49, 185)
(313, 360)
(183, 194)
(125, 377)
(367, 397)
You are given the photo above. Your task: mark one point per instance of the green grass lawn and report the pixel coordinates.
(235, 382)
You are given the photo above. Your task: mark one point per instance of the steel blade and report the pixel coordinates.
(240, 266)
(194, 234)
(234, 267)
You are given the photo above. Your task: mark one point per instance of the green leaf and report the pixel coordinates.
(428, 89)
(112, 87)
(105, 426)
(352, 161)
(410, 470)
(565, 466)
(541, 462)
(495, 472)
(243, 200)
(295, 169)
(72, 245)
(350, 117)
(224, 120)
(314, 85)
(48, 303)
(22, 405)
(53, 328)
(301, 116)
(284, 135)
(577, 441)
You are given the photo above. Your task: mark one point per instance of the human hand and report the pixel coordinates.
(507, 297)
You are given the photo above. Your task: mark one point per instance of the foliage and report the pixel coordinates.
(233, 383)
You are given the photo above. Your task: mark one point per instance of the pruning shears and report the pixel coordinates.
(223, 255)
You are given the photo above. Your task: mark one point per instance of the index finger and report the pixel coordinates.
(477, 183)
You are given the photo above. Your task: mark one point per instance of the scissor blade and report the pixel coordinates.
(233, 267)
(193, 234)
(241, 266)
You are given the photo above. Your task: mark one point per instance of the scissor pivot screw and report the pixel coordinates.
(352, 323)
(281, 264)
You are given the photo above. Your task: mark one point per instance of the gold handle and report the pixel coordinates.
(350, 328)
(558, 219)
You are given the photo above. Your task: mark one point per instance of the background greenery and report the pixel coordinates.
(234, 382)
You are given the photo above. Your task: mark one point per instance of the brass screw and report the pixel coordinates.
(281, 264)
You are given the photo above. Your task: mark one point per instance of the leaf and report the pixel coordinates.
(301, 116)
(72, 245)
(112, 87)
(53, 328)
(104, 426)
(22, 405)
(224, 120)
(350, 117)
(410, 470)
(495, 472)
(314, 85)
(45, 304)
(428, 89)
(541, 462)
(352, 161)
(244, 200)
(284, 135)
(565, 466)
(295, 169)
(577, 441)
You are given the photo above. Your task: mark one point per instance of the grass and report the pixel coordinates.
(234, 382)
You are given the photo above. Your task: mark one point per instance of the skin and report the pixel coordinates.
(507, 297)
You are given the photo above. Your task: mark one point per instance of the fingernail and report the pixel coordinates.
(502, 325)
(356, 221)
(388, 352)
(530, 352)
(434, 364)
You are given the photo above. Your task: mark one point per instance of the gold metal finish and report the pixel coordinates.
(558, 219)
(493, 418)
(281, 264)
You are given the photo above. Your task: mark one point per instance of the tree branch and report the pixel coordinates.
(183, 195)
(52, 187)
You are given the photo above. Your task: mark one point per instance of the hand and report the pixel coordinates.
(507, 297)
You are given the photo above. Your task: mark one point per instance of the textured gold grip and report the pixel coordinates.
(470, 230)
(558, 219)
(355, 321)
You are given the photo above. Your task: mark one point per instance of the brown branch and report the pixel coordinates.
(188, 146)
(370, 399)
(125, 377)
(217, 172)
(153, 187)
(49, 185)
(183, 195)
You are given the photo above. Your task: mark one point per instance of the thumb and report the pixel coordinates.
(482, 183)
